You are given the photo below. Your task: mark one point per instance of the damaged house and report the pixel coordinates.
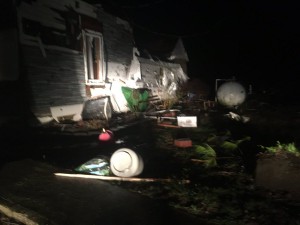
(60, 54)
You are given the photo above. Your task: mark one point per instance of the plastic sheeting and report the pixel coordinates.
(98, 166)
(137, 99)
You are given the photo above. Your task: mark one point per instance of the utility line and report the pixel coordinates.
(114, 3)
(191, 35)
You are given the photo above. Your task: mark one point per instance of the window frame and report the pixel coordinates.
(88, 64)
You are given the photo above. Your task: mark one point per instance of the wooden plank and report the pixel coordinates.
(133, 179)
(168, 125)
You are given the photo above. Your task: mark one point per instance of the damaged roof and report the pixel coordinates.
(166, 49)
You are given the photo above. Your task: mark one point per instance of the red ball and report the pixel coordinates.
(105, 135)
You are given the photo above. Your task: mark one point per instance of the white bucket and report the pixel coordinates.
(126, 163)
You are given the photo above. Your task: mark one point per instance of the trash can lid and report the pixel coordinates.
(126, 163)
(121, 161)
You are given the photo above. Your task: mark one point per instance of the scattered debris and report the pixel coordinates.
(183, 142)
(106, 135)
(97, 108)
(187, 121)
(168, 125)
(126, 163)
(237, 117)
(99, 166)
(119, 141)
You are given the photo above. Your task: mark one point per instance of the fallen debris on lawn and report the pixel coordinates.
(134, 179)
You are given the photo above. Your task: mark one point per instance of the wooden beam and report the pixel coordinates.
(133, 179)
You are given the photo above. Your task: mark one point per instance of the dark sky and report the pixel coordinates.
(255, 41)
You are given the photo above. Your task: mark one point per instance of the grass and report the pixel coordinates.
(289, 148)
(220, 191)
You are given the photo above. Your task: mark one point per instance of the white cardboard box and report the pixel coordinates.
(187, 121)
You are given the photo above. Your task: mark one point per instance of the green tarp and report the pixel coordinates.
(137, 99)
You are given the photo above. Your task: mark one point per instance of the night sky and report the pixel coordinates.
(256, 41)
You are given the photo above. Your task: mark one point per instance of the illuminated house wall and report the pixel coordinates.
(60, 42)
(162, 78)
(68, 51)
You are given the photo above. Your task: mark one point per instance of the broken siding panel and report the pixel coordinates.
(151, 74)
(162, 78)
(56, 24)
(42, 102)
(118, 39)
(121, 46)
(36, 11)
(151, 78)
(117, 72)
(150, 66)
(177, 70)
(55, 80)
(57, 75)
(78, 6)
(47, 12)
(62, 92)
(33, 56)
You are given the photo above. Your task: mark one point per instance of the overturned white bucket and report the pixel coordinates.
(126, 163)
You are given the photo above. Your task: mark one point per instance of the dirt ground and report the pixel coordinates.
(32, 157)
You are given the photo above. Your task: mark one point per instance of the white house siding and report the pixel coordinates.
(56, 74)
(118, 44)
(118, 48)
(55, 71)
(162, 78)
(55, 80)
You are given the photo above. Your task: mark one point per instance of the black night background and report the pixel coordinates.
(67, 72)
(254, 41)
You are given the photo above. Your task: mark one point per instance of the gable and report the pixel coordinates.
(179, 52)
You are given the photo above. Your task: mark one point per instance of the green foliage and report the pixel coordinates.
(218, 193)
(207, 154)
(205, 150)
(233, 145)
(228, 145)
(210, 149)
(279, 147)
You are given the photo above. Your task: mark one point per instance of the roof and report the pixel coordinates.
(166, 49)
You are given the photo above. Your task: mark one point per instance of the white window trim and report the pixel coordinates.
(88, 81)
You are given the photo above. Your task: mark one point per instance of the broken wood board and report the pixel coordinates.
(133, 179)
